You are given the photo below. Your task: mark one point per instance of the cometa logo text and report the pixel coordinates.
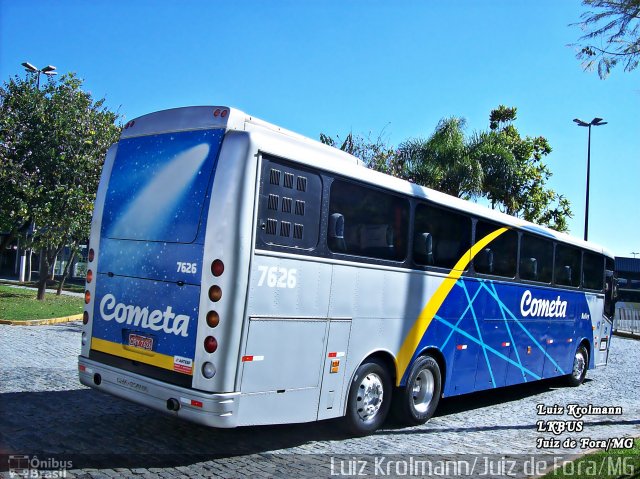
(155, 320)
(542, 308)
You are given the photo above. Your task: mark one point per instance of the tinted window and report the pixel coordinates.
(536, 259)
(592, 271)
(441, 237)
(567, 270)
(367, 222)
(499, 256)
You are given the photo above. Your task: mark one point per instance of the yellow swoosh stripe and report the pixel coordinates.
(421, 324)
(143, 356)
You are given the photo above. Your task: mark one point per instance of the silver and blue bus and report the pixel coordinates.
(241, 274)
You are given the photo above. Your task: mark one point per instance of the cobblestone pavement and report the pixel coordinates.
(45, 412)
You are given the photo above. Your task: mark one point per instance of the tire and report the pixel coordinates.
(369, 398)
(579, 368)
(415, 403)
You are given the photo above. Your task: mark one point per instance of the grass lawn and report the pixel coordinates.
(68, 286)
(615, 463)
(21, 304)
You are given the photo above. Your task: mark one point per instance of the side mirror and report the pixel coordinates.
(335, 234)
(423, 248)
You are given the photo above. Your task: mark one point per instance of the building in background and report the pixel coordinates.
(627, 317)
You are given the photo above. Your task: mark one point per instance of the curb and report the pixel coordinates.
(627, 334)
(41, 322)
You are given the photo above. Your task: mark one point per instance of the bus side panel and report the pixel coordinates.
(228, 238)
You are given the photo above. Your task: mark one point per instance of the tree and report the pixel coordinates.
(374, 153)
(52, 145)
(515, 176)
(443, 161)
(498, 164)
(615, 26)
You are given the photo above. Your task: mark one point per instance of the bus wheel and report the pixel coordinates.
(580, 365)
(416, 402)
(369, 398)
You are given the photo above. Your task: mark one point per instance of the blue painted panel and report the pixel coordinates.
(175, 309)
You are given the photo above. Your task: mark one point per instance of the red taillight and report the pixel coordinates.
(89, 276)
(87, 297)
(224, 113)
(213, 319)
(91, 254)
(215, 293)
(216, 113)
(217, 268)
(210, 344)
(85, 317)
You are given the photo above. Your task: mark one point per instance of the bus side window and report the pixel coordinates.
(442, 237)
(484, 261)
(336, 233)
(374, 223)
(568, 259)
(536, 258)
(529, 268)
(423, 248)
(504, 251)
(592, 271)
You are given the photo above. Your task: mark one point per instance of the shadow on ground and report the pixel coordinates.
(95, 430)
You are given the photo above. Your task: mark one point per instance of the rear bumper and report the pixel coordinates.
(209, 409)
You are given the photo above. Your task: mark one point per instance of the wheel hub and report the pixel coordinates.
(422, 390)
(369, 397)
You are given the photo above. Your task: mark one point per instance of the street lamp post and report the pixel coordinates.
(49, 70)
(594, 122)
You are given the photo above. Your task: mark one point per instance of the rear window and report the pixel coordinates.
(158, 186)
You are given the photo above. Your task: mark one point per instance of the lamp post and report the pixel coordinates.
(594, 122)
(48, 70)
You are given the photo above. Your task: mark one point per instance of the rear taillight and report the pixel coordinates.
(215, 293)
(87, 297)
(91, 254)
(210, 344)
(213, 319)
(217, 268)
(208, 370)
(85, 317)
(89, 276)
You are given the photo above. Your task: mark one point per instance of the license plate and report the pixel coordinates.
(141, 342)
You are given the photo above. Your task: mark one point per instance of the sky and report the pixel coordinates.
(372, 67)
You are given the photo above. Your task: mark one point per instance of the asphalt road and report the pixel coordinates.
(50, 421)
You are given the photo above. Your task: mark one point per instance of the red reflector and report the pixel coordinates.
(91, 254)
(217, 268)
(82, 367)
(333, 355)
(87, 297)
(210, 344)
(196, 403)
(247, 358)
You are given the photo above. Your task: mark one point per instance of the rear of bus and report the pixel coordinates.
(164, 258)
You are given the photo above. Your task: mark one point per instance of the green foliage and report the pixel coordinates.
(443, 161)
(497, 164)
(52, 145)
(615, 27)
(515, 176)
